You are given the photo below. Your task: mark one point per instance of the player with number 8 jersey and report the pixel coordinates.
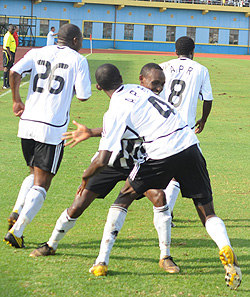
(186, 82)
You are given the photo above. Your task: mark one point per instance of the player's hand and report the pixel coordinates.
(81, 133)
(82, 187)
(18, 108)
(199, 126)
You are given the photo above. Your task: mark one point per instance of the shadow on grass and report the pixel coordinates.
(233, 223)
(148, 242)
(187, 247)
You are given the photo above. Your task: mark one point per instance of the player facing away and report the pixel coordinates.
(44, 117)
(118, 169)
(186, 82)
(172, 151)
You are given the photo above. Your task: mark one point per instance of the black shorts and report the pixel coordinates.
(6, 59)
(47, 157)
(187, 167)
(104, 182)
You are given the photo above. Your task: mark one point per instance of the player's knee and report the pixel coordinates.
(157, 197)
(125, 198)
(75, 210)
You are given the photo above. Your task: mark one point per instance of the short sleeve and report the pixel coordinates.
(206, 89)
(25, 64)
(83, 80)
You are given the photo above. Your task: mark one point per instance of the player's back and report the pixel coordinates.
(186, 81)
(56, 73)
(53, 75)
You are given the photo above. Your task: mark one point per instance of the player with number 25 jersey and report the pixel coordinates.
(57, 73)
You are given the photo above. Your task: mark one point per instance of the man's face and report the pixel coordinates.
(154, 80)
(12, 30)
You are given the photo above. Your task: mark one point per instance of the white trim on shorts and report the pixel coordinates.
(58, 150)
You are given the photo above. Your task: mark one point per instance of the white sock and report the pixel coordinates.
(172, 192)
(28, 182)
(33, 203)
(114, 223)
(162, 223)
(216, 229)
(63, 225)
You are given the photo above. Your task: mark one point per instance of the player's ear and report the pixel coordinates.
(121, 79)
(98, 87)
(141, 78)
(74, 40)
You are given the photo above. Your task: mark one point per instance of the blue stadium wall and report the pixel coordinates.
(77, 13)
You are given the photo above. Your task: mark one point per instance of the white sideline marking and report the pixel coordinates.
(7, 92)
(88, 55)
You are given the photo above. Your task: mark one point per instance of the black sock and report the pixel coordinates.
(8, 81)
(5, 78)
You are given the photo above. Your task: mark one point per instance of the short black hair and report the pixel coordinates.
(67, 32)
(52, 28)
(184, 45)
(146, 68)
(108, 77)
(11, 27)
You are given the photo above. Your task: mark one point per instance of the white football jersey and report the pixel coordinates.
(136, 112)
(186, 81)
(56, 74)
(50, 38)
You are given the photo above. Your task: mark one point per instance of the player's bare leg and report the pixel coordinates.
(217, 231)
(66, 221)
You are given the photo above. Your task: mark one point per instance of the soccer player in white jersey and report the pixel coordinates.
(186, 82)
(118, 169)
(44, 117)
(51, 36)
(172, 150)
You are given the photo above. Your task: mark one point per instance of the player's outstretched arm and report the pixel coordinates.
(80, 134)
(200, 124)
(18, 105)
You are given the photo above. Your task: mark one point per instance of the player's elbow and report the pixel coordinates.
(81, 99)
(14, 78)
(103, 159)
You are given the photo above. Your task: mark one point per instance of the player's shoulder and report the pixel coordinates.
(197, 64)
(136, 90)
(74, 55)
(166, 64)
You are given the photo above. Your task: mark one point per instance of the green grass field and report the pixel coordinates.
(133, 267)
